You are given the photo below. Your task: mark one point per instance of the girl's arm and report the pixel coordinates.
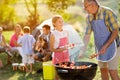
(52, 41)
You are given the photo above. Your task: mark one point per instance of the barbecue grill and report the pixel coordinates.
(68, 73)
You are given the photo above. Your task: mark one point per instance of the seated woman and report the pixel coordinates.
(41, 51)
(14, 38)
(4, 47)
(13, 44)
(3, 44)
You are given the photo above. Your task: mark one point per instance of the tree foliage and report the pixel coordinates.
(33, 17)
(59, 6)
(7, 13)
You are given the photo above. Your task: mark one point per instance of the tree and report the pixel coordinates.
(56, 6)
(59, 6)
(7, 13)
(33, 17)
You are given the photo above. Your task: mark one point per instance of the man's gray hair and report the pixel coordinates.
(91, 1)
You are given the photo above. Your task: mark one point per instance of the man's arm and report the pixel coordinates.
(52, 41)
(114, 34)
(113, 26)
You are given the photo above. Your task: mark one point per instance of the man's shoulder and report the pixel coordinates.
(106, 9)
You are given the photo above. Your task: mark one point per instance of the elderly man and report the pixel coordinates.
(102, 21)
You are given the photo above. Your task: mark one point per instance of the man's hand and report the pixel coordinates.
(103, 50)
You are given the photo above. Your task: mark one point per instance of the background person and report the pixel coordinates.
(14, 38)
(4, 47)
(36, 32)
(26, 42)
(44, 41)
(46, 38)
(13, 41)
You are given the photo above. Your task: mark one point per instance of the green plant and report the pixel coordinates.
(7, 13)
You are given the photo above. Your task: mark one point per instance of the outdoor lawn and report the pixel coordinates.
(7, 73)
(22, 12)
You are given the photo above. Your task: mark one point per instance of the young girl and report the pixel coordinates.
(58, 39)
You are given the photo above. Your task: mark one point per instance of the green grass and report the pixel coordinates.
(7, 35)
(7, 73)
